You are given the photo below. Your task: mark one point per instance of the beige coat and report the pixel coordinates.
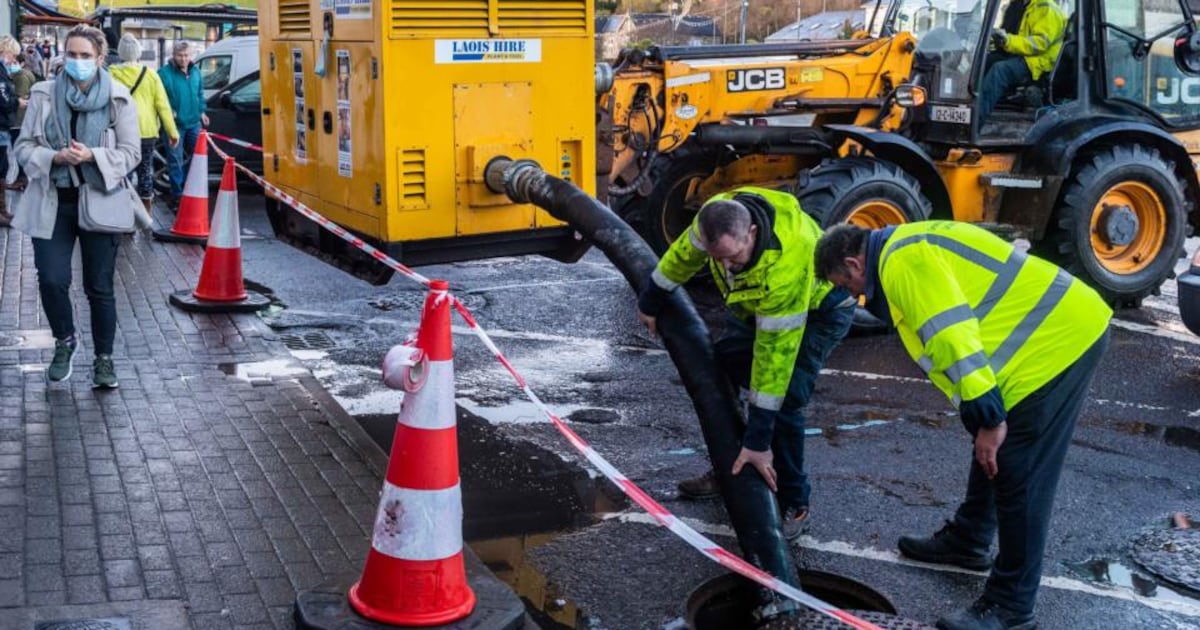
(36, 209)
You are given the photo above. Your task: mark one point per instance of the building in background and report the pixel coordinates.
(620, 30)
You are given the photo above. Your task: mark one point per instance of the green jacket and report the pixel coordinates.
(776, 290)
(185, 92)
(23, 84)
(1040, 36)
(977, 314)
(154, 112)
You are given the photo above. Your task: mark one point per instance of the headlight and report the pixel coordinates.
(910, 95)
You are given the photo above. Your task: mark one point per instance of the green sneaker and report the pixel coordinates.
(104, 375)
(60, 365)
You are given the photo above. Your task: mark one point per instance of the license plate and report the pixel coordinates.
(956, 115)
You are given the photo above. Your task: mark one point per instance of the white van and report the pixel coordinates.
(227, 61)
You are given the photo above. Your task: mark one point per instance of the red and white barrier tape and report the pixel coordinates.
(692, 537)
(235, 141)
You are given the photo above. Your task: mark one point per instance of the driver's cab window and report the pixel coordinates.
(249, 93)
(947, 32)
(1139, 66)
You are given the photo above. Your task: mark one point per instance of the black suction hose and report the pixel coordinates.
(751, 505)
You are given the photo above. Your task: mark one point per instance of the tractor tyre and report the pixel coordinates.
(1121, 223)
(667, 211)
(863, 191)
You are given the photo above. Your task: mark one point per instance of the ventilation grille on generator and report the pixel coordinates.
(411, 17)
(543, 16)
(470, 17)
(294, 16)
(412, 178)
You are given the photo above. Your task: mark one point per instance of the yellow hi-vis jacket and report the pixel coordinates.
(1040, 36)
(777, 290)
(975, 313)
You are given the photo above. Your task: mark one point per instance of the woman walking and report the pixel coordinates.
(154, 111)
(81, 130)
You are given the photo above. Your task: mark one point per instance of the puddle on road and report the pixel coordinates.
(1112, 573)
(1184, 437)
(518, 496)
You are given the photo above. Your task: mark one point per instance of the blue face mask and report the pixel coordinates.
(13, 68)
(81, 69)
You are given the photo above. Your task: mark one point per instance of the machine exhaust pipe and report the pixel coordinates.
(751, 505)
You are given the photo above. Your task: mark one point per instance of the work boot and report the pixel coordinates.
(104, 375)
(947, 546)
(794, 522)
(702, 487)
(64, 355)
(986, 615)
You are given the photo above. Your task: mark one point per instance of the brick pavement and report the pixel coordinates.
(185, 494)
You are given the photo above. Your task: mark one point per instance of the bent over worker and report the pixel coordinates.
(782, 325)
(1013, 341)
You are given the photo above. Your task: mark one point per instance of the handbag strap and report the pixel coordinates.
(137, 83)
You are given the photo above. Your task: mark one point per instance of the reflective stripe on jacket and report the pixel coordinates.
(974, 312)
(778, 290)
(1040, 36)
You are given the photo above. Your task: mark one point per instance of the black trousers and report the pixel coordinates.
(1018, 502)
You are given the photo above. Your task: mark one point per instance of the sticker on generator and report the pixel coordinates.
(352, 9)
(344, 139)
(487, 50)
(298, 82)
(418, 524)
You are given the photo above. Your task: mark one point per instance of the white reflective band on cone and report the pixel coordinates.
(196, 184)
(418, 524)
(433, 406)
(226, 233)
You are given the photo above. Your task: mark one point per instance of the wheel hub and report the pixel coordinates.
(1118, 225)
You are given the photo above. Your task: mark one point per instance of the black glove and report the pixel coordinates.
(999, 37)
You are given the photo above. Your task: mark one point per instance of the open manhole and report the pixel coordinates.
(728, 601)
(316, 340)
(413, 301)
(1171, 554)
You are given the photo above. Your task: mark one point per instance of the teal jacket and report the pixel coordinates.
(185, 93)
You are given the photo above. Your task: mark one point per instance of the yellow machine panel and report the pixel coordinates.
(386, 113)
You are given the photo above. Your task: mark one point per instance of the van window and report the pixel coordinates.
(251, 92)
(214, 71)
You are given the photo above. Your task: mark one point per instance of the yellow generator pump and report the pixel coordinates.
(382, 114)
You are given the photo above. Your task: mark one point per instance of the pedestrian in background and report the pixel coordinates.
(23, 81)
(1013, 342)
(782, 324)
(80, 130)
(9, 104)
(35, 62)
(185, 91)
(153, 108)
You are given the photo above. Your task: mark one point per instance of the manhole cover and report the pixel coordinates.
(594, 416)
(1171, 554)
(316, 340)
(414, 301)
(810, 620)
(113, 623)
(9, 340)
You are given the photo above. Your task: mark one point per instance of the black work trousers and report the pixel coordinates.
(1018, 502)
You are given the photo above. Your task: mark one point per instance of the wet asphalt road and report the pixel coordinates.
(891, 457)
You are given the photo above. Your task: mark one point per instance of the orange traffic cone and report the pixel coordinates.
(414, 574)
(191, 220)
(221, 289)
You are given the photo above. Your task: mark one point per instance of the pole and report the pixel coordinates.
(745, 12)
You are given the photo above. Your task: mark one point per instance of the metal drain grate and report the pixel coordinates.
(112, 623)
(815, 621)
(413, 301)
(1172, 554)
(316, 340)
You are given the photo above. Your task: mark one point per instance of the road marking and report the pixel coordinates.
(891, 557)
(1156, 331)
(873, 377)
